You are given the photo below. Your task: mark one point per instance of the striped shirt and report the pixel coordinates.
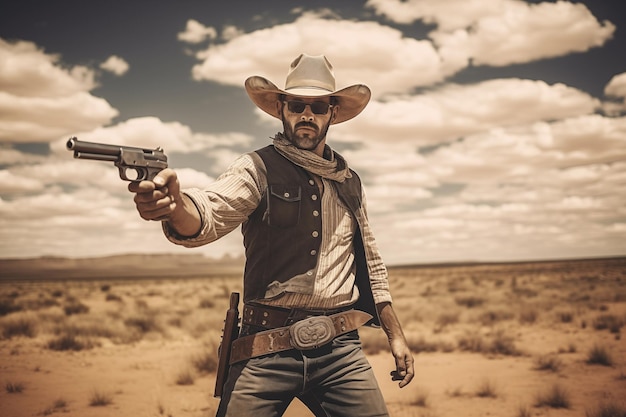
(233, 197)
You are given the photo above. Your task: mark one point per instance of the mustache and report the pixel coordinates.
(306, 124)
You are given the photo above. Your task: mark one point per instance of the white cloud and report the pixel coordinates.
(454, 111)
(502, 32)
(40, 100)
(196, 32)
(359, 52)
(116, 65)
(27, 71)
(617, 86)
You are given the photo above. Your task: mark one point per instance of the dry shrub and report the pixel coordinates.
(59, 405)
(607, 409)
(565, 316)
(497, 343)
(70, 342)
(608, 322)
(19, 325)
(486, 389)
(14, 387)
(8, 305)
(548, 363)
(599, 355)
(100, 399)
(528, 315)
(75, 307)
(555, 397)
(420, 344)
(491, 317)
(205, 362)
(470, 301)
(420, 399)
(446, 319)
(185, 377)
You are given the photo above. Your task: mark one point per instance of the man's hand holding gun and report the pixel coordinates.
(156, 187)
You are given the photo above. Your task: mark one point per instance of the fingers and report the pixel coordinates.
(404, 371)
(156, 200)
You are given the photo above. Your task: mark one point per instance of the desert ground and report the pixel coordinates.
(518, 339)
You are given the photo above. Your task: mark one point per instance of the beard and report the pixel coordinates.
(307, 140)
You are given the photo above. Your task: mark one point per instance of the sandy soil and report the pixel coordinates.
(478, 333)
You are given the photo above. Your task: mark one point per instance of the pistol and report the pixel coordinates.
(142, 164)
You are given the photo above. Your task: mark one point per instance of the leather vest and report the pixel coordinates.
(283, 235)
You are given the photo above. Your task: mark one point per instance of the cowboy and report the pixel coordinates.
(313, 273)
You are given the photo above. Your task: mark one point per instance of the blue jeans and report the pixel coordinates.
(335, 380)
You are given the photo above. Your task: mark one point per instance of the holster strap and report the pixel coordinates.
(285, 338)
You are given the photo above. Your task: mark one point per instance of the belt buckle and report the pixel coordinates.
(311, 332)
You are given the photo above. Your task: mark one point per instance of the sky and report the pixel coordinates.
(496, 129)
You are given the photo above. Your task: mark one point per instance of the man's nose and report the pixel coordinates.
(307, 114)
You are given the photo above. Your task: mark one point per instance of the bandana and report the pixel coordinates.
(335, 168)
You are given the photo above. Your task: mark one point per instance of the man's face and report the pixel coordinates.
(306, 121)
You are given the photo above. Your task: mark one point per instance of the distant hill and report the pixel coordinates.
(132, 266)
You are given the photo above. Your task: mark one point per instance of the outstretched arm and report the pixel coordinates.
(399, 348)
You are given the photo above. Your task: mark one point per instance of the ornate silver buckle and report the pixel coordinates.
(311, 332)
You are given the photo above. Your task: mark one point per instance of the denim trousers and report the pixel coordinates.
(335, 380)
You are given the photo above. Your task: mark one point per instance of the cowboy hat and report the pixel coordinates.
(309, 76)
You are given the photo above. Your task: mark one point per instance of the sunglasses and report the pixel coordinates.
(317, 107)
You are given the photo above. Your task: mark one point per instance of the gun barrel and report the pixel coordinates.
(90, 148)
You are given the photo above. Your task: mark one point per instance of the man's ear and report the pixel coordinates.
(279, 108)
(335, 109)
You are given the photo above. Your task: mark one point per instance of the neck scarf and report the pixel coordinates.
(335, 168)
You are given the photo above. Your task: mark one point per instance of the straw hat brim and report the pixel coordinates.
(351, 100)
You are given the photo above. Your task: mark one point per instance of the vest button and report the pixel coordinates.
(313, 252)
(316, 213)
(309, 273)
(314, 197)
(311, 182)
(315, 234)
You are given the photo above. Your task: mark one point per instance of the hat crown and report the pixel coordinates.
(310, 72)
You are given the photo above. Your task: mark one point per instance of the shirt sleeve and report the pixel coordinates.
(379, 279)
(224, 204)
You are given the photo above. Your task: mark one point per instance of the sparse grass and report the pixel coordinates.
(491, 317)
(550, 363)
(607, 409)
(565, 316)
(469, 301)
(446, 319)
(14, 387)
(524, 411)
(100, 399)
(420, 399)
(18, 325)
(7, 305)
(609, 322)
(206, 303)
(69, 342)
(528, 315)
(205, 362)
(486, 389)
(144, 323)
(555, 397)
(185, 377)
(58, 406)
(75, 307)
(599, 355)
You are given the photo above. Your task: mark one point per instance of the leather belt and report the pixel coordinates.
(270, 317)
(308, 333)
